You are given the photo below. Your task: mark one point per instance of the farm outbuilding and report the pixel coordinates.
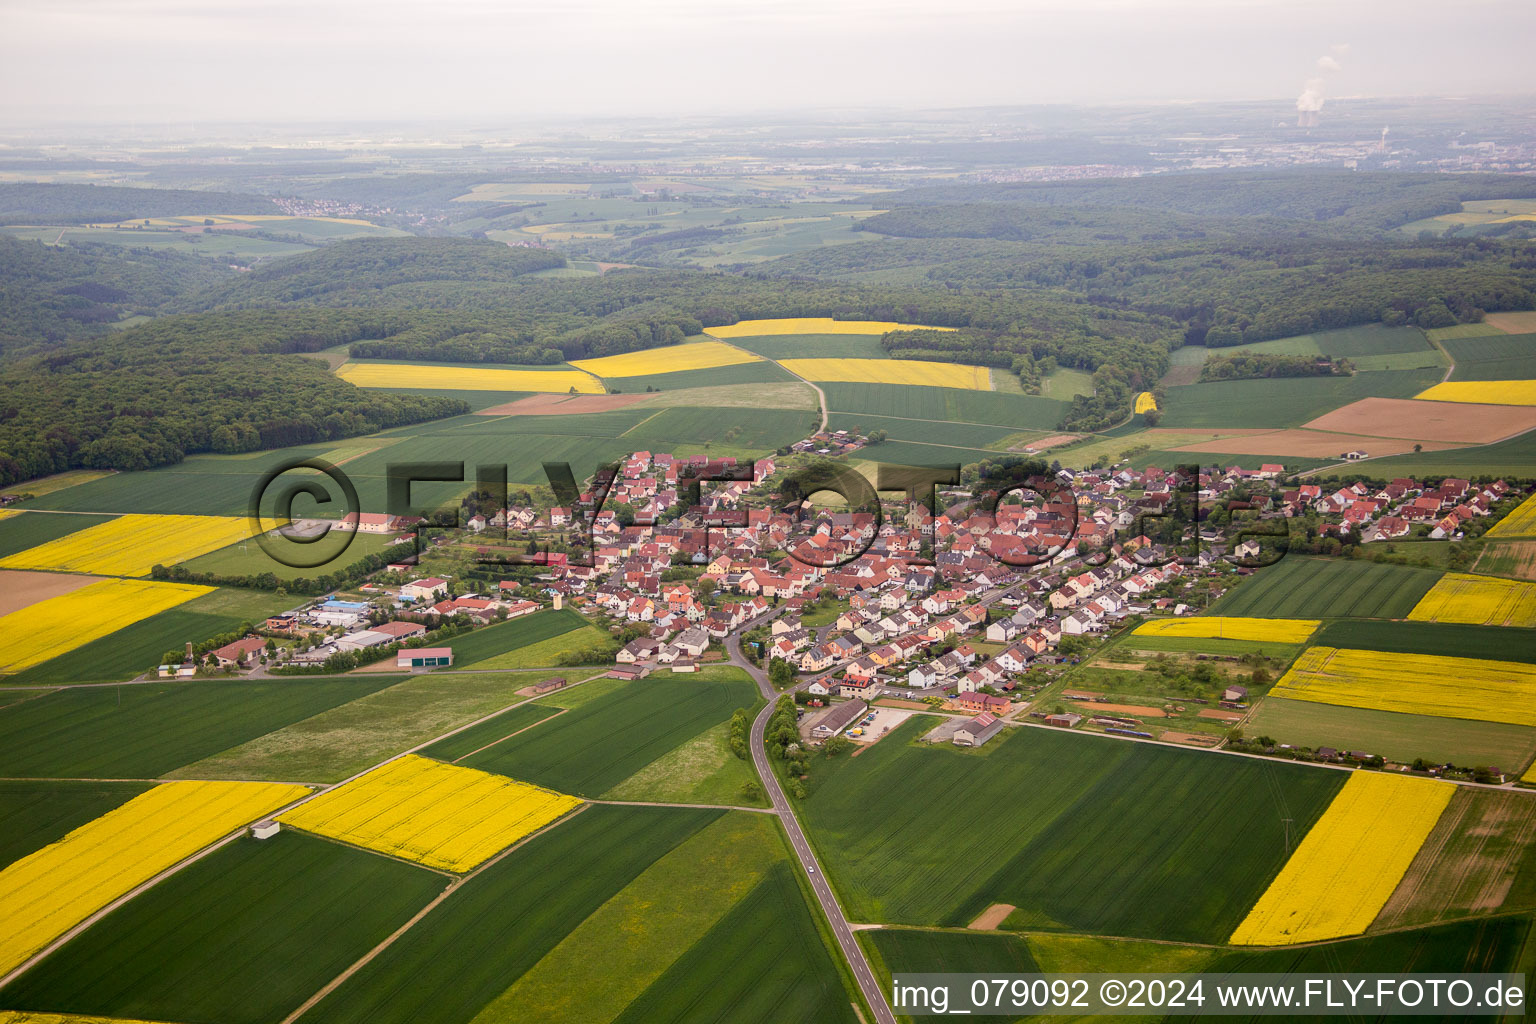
(838, 718)
(978, 730)
(424, 657)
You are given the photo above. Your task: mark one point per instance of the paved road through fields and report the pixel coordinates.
(802, 846)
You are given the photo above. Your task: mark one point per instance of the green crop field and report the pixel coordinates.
(143, 730)
(382, 721)
(1495, 357)
(762, 963)
(475, 647)
(34, 814)
(936, 432)
(1283, 401)
(547, 653)
(1462, 331)
(1365, 342)
(1481, 857)
(920, 951)
(1319, 588)
(465, 953)
(756, 429)
(221, 939)
(953, 405)
(1079, 833)
(247, 558)
(1514, 457)
(1393, 735)
(638, 933)
(18, 533)
(476, 737)
(129, 651)
(815, 346)
(762, 372)
(703, 770)
(1501, 643)
(600, 744)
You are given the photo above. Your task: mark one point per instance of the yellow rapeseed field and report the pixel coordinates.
(892, 371)
(436, 814)
(1280, 631)
(1478, 600)
(49, 628)
(468, 378)
(132, 545)
(1418, 684)
(702, 355)
(33, 1017)
(46, 893)
(813, 325)
(1145, 402)
(1341, 875)
(1485, 392)
(1519, 523)
(6, 513)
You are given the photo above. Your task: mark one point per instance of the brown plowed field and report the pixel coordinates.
(562, 405)
(1311, 444)
(20, 589)
(1427, 421)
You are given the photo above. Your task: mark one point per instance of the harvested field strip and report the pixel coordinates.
(1480, 858)
(638, 933)
(813, 325)
(1285, 631)
(436, 814)
(1483, 392)
(20, 588)
(919, 372)
(45, 894)
(59, 624)
(1478, 600)
(1349, 863)
(1420, 684)
(132, 545)
(417, 376)
(1468, 420)
(1313, 444)
(1519, 523)
(1512, 323)
(561, 405)
(702, 355)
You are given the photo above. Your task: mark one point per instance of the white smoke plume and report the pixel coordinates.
(1310, 103)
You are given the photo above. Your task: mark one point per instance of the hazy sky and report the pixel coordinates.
(474, 59)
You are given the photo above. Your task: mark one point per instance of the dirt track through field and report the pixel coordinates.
(19, 589)
(989, 919)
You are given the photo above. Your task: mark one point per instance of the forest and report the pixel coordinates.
(35, 203)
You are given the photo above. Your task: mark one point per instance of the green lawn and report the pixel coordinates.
(1080, 833)
(34, 814)
(1396, 736)
(469, 950)
(1064, 384)
(242, 936)
(595, 747)
(1312, 588)
(143, 730)
(701, 771)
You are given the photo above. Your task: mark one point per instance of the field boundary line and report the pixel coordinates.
(663, 803)
(390, 939)
(143, 886)
(509, 735)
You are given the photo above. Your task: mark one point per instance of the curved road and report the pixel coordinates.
(802, 846)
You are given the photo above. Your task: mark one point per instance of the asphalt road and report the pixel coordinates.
(802, 846)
